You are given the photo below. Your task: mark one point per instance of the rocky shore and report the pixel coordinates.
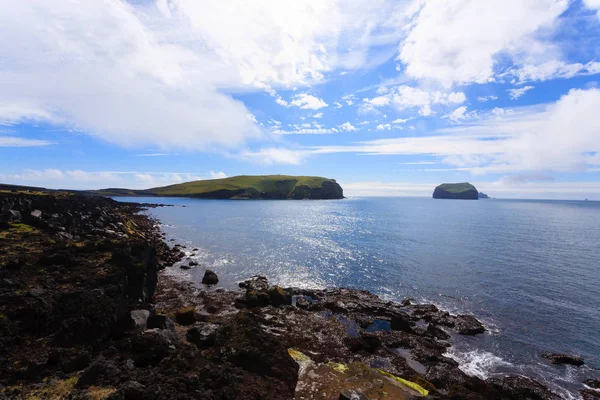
(87, 313)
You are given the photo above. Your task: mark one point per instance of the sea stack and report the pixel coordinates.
(456, 191)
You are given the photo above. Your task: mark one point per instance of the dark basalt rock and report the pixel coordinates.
(210, 278)
(160, 322)
(559, 358)
(352, 395)
(520, 387)
(279, 297)
(402, 323)
(468, 325)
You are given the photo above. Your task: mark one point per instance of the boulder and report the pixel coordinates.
(561, 359)
(36, 214)
(210, 278)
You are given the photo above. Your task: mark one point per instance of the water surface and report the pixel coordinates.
(528, 269)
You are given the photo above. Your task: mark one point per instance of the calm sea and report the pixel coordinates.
(530, 270)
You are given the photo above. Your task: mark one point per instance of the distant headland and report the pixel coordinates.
(276, 187)
(457, 191)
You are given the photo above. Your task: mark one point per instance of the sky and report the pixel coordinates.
(388, 97)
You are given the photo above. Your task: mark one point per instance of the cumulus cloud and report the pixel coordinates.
(384, 127)
(459, 114)
(348, 127)
(456, 42)
(483, 99)
(162, 72)
(307, 102)
(318, 115)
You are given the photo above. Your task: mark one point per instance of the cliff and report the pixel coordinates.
(456, 191)
(245, 187)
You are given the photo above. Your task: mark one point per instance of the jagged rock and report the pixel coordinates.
(151, 347)
(559, 358)
(279, 297)
(468, 325)
(210, 278)
(193, 263)
(36, 213)
(139, 319)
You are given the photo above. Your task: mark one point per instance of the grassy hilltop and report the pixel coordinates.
(245, 187)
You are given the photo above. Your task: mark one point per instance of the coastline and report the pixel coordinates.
(165, 338)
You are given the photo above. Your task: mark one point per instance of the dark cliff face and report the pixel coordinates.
(329, 190)
(456, 192)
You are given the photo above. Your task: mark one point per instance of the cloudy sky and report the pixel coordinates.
(389, 97)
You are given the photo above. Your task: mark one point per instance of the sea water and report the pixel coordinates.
(529, 270)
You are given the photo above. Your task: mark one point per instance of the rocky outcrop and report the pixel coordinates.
(456, 191)
(560, 358)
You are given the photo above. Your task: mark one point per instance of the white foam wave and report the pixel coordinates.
(477, 363)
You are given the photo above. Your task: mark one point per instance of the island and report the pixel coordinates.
(483, 195)
(456, 191)
(278, 187)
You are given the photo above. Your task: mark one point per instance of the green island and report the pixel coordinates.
(456, 191)
(244, 187)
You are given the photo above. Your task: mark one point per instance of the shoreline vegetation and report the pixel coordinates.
(88, 310)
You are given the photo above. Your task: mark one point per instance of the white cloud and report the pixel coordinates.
(518, 92)
(594, 5)
(460, 41)
(274, 155)
(162, 73)
(82, 180)
(483, 99)
(307, 102)
(554, 69)
(217, 175)
(337, 104)
(400, 121)
(403, 97)
(384, 127)
(318, 115)
(378, 101)
(458, 114)
(348, 127)
(11, 141)
(558, 137)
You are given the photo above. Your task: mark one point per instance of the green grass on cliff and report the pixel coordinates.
(281, 185)
(265, 184)
(457, 187)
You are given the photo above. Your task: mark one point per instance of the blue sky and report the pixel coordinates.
(387, 97)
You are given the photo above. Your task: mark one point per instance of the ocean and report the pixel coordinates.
(529, 270)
